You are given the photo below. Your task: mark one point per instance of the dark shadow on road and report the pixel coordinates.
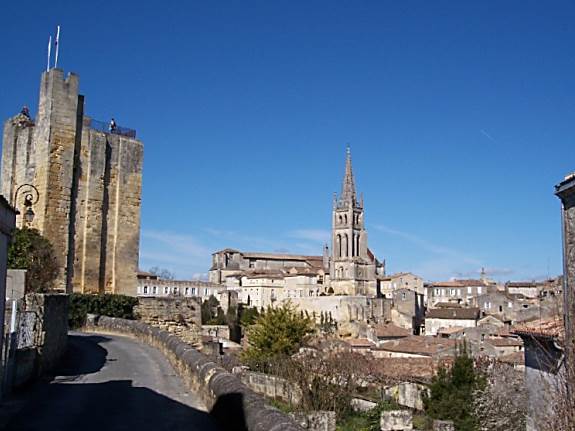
(84, 355)
(110, 406)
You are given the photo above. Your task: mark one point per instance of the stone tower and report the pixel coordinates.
(353, 268)
(89, 185)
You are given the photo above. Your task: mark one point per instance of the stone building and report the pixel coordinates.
(456, 291)
(264, 279)
(82, 181)
(438, 318)
(353, 268)
(150, 285)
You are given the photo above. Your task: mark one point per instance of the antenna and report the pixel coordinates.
(49, 49)
(57, 45)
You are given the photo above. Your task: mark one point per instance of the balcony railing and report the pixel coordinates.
(118, 130)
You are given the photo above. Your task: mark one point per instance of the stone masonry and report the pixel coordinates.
(89, 187)
(179, 316)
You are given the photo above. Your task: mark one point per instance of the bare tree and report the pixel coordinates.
(502, 404)
(162, 273)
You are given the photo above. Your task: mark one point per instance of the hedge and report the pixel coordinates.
(111, 305)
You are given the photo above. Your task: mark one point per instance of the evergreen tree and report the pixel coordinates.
(451, 393)
(31, 251)
(277, 332)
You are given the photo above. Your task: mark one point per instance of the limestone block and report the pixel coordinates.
(443, 425)
(396, 420)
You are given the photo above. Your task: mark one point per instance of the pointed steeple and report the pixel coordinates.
(348, 188)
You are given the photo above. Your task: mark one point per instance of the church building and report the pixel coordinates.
(266, 279)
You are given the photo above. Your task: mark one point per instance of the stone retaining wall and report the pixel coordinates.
(232, 405)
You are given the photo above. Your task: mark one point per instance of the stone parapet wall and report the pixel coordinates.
(271, 386)
(227, 398)
(177, 315)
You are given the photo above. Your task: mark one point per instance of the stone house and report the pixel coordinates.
(383, 332)
(456, 291)
(150, 285)
(415, 346)
(505, 345)
(402, 280)
(450, 317)
(408, 310)
(535, 289)
(514, 308)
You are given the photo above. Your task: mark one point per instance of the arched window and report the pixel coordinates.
(340, 219)
(345, 218)
(345, 246)
(338, 245)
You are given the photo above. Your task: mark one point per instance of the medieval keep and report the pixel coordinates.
(83, 182)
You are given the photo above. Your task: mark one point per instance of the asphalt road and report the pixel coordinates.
(112, 383)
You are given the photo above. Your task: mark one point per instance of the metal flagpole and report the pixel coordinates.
(57, 44)
(49, 48)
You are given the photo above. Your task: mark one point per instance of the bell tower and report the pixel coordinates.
(352, 271)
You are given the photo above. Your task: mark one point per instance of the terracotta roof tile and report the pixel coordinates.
(416, 344)
(389, 330)
(504, 342)
(552, 327)
(453, 313)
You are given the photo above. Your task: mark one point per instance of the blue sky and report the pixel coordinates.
(459, 116)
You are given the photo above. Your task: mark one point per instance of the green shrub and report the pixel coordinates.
(111, 305)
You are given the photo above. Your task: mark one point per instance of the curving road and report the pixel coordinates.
(112, 383)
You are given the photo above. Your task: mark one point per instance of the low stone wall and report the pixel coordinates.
(180, 316)
(270, 386)
(232, 405)
(41, 337)
(396, 420)
(216, 331)
(316, 421)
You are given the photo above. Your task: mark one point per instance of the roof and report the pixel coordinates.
(453, 313)
(504, 342)
(227, 250)
(458, 283)
(549, 328)
(405, 369)
(389, 330)
(278, 256)
(447, 305)
(450, 330)
(515, 358)
(417, 344)
(525, 283)
(360, 342)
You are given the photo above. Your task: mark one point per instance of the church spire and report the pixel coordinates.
(348, 188)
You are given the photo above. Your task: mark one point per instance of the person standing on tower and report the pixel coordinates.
(112, 126)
